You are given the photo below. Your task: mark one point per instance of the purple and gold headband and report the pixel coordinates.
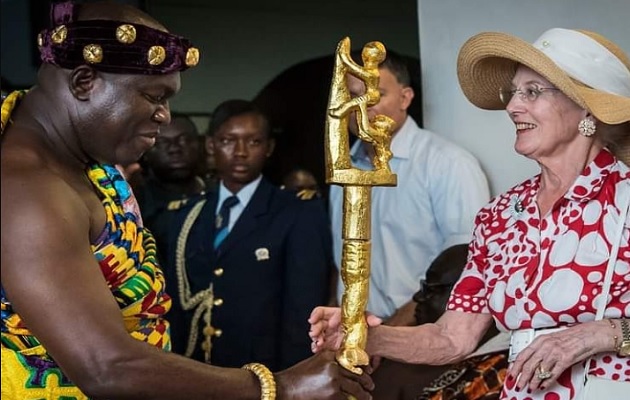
(112, 46)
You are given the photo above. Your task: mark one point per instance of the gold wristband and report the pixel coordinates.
(267, 381)
(616, 342)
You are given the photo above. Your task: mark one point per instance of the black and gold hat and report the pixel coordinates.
(112, 46)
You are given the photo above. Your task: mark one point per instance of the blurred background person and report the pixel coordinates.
(300, 179)
(170, 175)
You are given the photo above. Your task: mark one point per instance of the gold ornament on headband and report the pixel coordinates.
(126, 34)
(192, 57)
(357, 186)
(93, 53)
(59, 34)
(156, 55)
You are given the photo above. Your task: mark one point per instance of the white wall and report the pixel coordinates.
(444, 25)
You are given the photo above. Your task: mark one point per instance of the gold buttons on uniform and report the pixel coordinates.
(212, 331)
(218, 302)
(218, 271)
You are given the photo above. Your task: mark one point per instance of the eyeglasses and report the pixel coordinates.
(529, 94)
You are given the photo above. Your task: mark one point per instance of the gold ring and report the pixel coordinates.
(542, 374)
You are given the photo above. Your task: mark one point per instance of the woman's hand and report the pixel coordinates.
(325, 329)
(548, 356)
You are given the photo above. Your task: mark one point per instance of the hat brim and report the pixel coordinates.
(487, 63)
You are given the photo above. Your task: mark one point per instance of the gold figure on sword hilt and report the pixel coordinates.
(357, 185)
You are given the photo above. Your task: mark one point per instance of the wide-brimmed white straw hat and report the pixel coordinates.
(588, 68)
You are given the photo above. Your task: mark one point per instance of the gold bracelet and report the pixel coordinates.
(267, 381)
(616, 344)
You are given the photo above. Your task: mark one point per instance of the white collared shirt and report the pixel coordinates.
(244, 196)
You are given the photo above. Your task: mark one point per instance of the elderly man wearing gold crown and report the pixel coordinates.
(550, 259)
(83, 300)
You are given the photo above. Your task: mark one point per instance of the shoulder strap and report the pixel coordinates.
(610, 267)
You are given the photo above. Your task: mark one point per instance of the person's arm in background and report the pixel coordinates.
(308, 259)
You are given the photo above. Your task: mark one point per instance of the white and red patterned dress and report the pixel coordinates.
(530, 272)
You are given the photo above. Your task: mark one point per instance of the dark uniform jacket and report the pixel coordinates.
(267, 275)
(158, 205)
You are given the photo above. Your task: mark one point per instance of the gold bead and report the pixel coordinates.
(218, 332)
(192, 57)
(218, 302)
(93, 53)
(208, 331)
(59, 34)
(218, 271)
(156, 55)
(126, 33)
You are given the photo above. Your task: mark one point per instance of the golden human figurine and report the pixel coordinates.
(341, 104)
(357, 185)
(372, 55)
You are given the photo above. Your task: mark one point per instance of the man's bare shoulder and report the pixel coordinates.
(31, 188)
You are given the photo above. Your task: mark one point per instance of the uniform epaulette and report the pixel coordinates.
(306, 194)
(176, 204)
(190, 201)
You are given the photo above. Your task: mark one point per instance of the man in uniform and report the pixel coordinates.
(249, 261)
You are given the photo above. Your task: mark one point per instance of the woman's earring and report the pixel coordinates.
(587, 127)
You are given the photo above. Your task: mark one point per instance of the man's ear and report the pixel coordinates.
(407, 96)
(81, 82)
